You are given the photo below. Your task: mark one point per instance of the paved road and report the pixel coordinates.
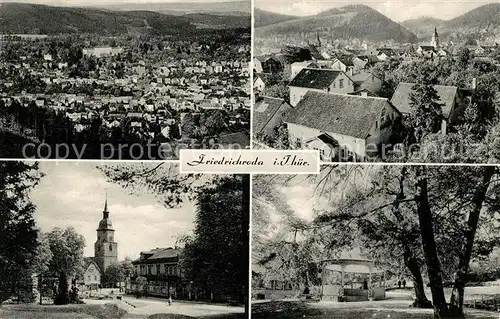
(146, 307)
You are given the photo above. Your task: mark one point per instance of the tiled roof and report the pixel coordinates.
(346, 60)
(315, 52)
(315, 78)
(238, 138)
(161, 253)
(387, 51)
(326, 138)
(264, 109)
(360, 77)
(348, 115)
(401, 97)
(90, 260)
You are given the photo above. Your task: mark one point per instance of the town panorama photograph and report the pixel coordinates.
(136, 80)
(103, 240)
(375, 81)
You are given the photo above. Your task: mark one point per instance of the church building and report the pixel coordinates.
(105, 252)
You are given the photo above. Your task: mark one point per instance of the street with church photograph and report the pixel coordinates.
(117, 240)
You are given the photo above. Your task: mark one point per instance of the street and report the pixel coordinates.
(142, 308)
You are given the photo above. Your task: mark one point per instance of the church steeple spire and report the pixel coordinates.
(105, 212)
(435, 39)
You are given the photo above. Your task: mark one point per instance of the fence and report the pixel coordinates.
(485, 302)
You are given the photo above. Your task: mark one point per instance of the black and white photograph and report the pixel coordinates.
(377, 241)
(123, 79)
(122, 240)
(378, 81)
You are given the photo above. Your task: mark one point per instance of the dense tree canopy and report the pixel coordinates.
(18, 236)
(217, 254)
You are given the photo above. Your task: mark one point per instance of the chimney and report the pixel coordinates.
(474, 83)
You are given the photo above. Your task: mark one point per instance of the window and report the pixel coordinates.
(88, 277)
(158, 269)
(298, 143)
(376, 124)
(341, 83)
(322, 153)
(95, 277)
(111, 247)
(150, 269)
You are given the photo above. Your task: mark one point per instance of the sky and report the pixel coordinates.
(107, 2)
(397, 10)
(73, 194)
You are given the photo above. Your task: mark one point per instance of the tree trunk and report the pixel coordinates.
(457, 295)
(413, 266)
(40, 283)
(410, 261)
(429, 246)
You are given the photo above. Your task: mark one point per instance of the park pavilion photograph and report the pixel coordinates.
(377, 241)
(119, 240)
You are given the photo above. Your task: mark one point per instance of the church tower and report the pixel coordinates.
(435, 39)
(105, 248)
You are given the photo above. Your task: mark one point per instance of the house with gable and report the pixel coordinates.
(268, 64)
(258, 84)
(344, 64)
(342, 127)
(451, 97)
(268, 113)
(368, 81)
(320, 80)
(92, 274)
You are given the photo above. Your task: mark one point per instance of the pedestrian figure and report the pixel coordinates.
(399, 283)
(169, 299)
(404, 283)
(306, 290)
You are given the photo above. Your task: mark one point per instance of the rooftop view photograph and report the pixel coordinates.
(373, 81)
(123, 79)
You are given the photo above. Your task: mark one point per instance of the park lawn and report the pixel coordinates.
(294, 309)
(175, 316)
(105, 311)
